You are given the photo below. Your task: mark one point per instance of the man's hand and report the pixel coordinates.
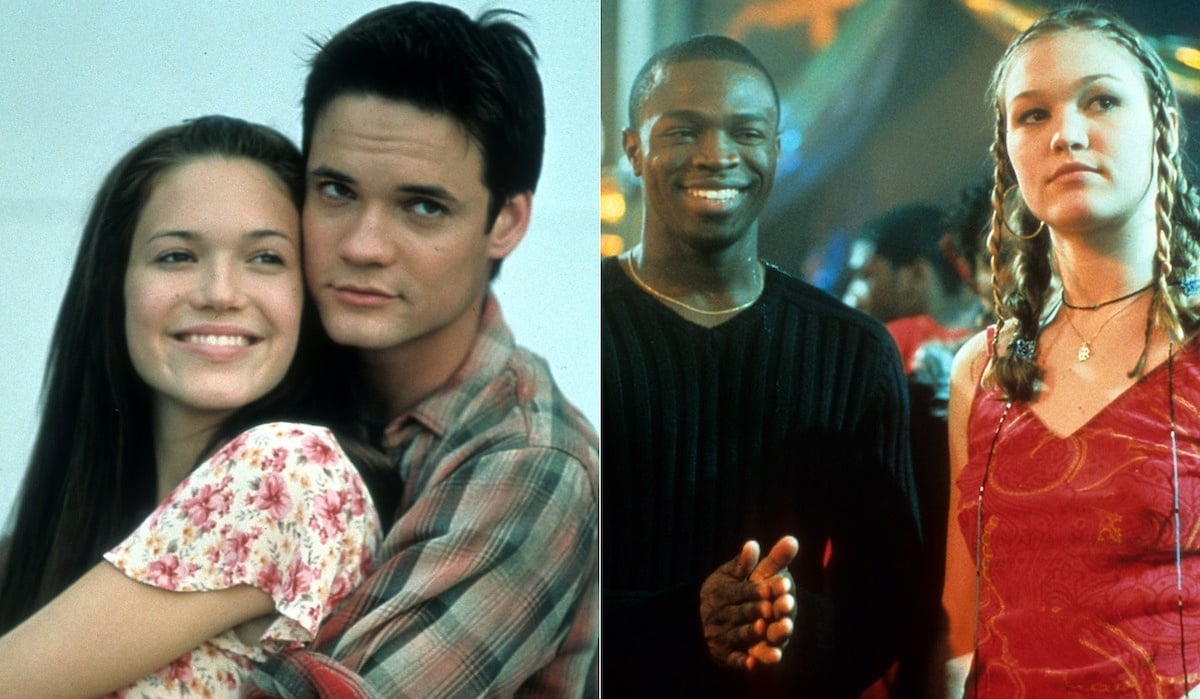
(747, 608)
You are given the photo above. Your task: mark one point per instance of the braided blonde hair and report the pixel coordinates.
(1021, 291)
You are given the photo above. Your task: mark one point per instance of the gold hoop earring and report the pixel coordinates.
(1004, 216)
(1030, 236)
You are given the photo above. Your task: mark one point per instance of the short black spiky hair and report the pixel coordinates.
(703, 47)
(912, 232)
(482, 73)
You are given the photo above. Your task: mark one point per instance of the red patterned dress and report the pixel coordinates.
(280, 508)
(1079, 577)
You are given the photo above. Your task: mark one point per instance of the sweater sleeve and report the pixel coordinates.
(875, 566)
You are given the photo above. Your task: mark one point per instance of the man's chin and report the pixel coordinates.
(717, 236)
(366, 339)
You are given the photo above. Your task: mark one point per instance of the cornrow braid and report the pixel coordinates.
(1021, 295)
(1177, 217)
(1163, 311)
(1185, 256)
(998, 291)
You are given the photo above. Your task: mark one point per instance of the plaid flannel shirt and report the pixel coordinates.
(487, 583)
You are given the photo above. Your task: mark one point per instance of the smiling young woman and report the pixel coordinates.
(183, 344)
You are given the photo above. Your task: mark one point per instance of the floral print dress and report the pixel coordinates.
(280, 507)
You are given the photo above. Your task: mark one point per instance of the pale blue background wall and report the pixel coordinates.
(80, 85)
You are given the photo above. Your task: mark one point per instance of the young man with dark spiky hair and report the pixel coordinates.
(423, 132)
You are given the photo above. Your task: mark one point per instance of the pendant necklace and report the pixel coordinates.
(1085, 349)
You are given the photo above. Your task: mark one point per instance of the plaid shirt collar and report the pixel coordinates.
(494, 344)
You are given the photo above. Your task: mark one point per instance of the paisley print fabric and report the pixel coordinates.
(1079, 592)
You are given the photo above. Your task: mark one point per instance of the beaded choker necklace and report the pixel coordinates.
(973, 678)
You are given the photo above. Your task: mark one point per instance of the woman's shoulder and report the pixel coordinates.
(285, 431)
(977, 346)
(277, 448)
(970, 361)
(317, 439)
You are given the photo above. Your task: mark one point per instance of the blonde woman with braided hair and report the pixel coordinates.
(1072, 566)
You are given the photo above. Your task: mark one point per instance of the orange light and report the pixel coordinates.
(611, 244)
(612, 204)
(1188, 56)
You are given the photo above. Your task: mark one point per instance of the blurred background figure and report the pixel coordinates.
(903, 273)
(968, 224)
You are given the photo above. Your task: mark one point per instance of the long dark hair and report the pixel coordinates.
(91, 475)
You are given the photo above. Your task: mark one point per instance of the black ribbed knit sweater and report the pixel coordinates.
(790, 418)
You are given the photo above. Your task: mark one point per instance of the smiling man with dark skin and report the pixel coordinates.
(740, 405)
(700, 231)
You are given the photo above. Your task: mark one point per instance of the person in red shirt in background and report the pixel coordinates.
(904, 274)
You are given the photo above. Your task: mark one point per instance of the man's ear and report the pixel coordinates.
(510, 226)
(631, 143)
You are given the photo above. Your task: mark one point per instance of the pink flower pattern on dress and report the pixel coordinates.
(209, 500)
(328, 518)
(230, 451)
(167, 571)
(342, 586)
(358, 501)
(235, 552)
(180, 670)
(299, 580)
(273, 496)
(277, 461)
(269, 579)
(319, 451)
(276, 508)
